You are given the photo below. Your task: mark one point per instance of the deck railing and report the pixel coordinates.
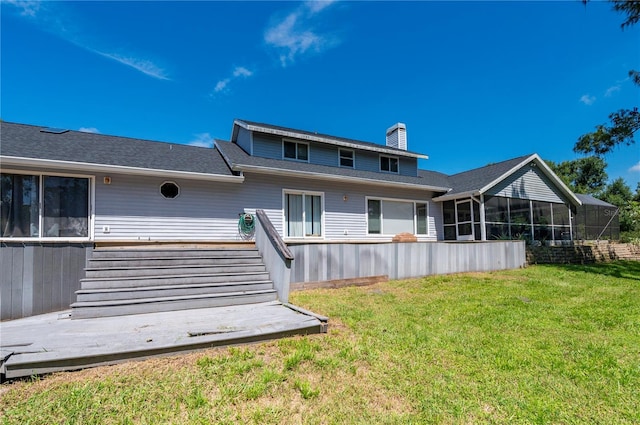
(275, 253)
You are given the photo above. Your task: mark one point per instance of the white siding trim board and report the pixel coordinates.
(119, 169)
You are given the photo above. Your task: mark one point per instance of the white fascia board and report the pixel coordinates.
(295, 135)
(322, 176)
(104, 168)
(454, 196)
(545, 169)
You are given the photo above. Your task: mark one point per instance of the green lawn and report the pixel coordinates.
(546, 344)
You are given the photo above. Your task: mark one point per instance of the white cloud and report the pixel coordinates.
(26, 7)
(145, 66)
(241, 71)
(294, 35)
(238, 72)
(316, 6)
(611, 90)
(203, 140)
(52, 17)
(635, 168)
(89, 130)
(587, 99)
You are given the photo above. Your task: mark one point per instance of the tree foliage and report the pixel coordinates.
(621, 131)
(583, 175)
(631, 8)
(624, 123)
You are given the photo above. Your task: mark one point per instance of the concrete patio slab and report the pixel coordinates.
(54, 342)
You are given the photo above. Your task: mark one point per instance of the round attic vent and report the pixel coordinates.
(170, 190)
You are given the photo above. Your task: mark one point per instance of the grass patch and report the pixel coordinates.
(546, 344)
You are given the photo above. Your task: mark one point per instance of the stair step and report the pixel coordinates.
(164, 253)
(109, 294)
(161, 270)
(109, 262)
(85, 310)
(177, 279)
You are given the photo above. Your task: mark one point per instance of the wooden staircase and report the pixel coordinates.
(148, 280)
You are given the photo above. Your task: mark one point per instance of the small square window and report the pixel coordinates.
(389, 164)
(346, 158)
(298, 151)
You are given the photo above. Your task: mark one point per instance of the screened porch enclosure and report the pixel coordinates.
(506, 219)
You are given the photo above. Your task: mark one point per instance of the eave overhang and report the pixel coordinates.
(331, 177)
(535, 158)
(322, 139)
(120, 169)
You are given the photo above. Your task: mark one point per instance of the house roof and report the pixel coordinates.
(321, 138)
(240, 161)
(22, 144)
(480, 180)
(590, 200)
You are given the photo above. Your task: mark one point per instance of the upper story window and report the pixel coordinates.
(346, 158)
(389, 164)
(295, 150)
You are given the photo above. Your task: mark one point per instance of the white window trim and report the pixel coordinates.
(353, 157)
(173, 183)
(90, 213)
(286, 192)
(390, 157)
(415, 215)
(297, 142)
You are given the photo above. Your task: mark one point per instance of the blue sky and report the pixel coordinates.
(475, 82)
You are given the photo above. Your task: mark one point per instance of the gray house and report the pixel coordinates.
(65, 194)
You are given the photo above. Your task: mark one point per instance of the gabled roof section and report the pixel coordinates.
(321, 138)
(590, 200)
(241, 161)
(480, 180)
(27, 145)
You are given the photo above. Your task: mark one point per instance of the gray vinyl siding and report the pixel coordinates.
(244, 140)
(324, 155)
(133, 209)
(340, 216)
(408, 167)
(266, 146)
(528, 183)
(368, 161)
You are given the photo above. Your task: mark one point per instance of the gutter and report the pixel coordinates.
(321, 176)
(89, 167)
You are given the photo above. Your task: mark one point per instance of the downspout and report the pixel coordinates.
(483, 227)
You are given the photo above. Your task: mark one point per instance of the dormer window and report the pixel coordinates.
(388, 164)
(295, 150)
(346, 158)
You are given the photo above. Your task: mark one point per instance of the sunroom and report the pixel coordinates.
(515, 199)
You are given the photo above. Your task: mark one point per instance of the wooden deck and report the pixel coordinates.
(53, 342)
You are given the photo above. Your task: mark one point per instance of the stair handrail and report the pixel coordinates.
(274, 236)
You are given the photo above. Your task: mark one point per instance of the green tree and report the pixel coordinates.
(582, 175)
(623, 124)
(619, 194)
